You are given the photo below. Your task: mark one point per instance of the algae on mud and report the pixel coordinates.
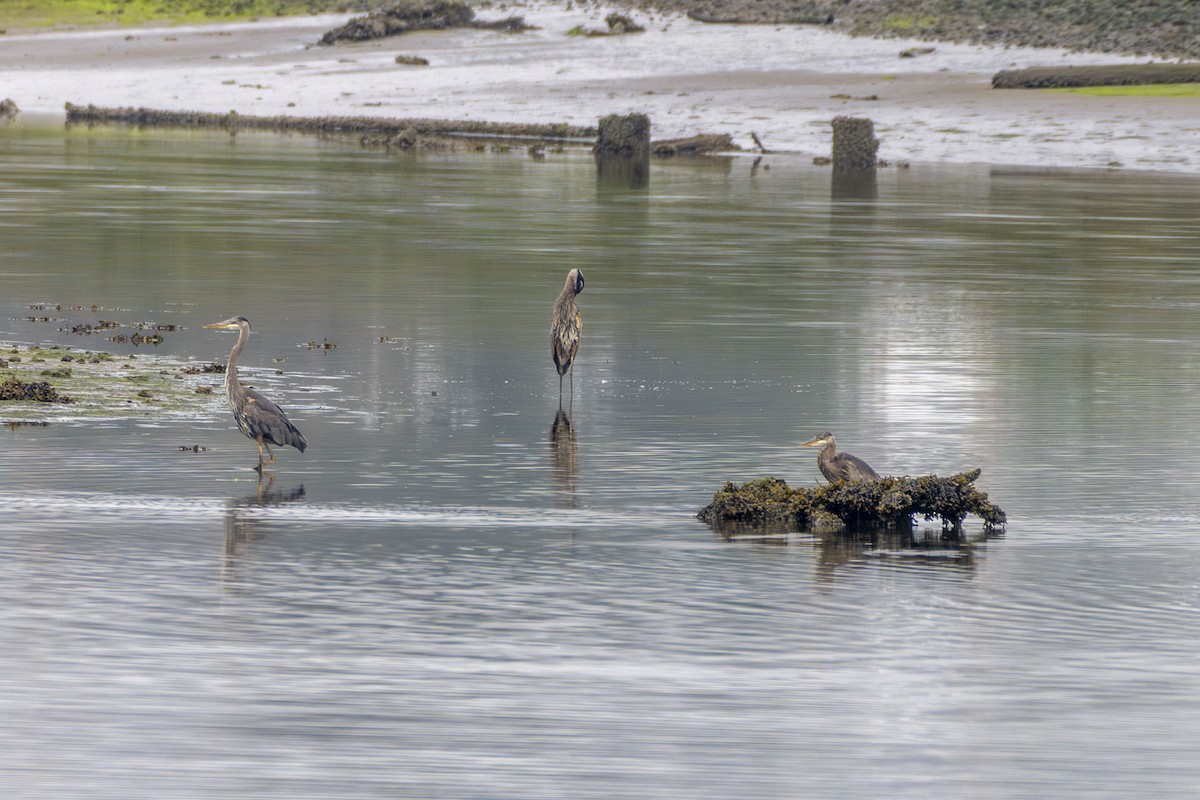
(99, 385)
(891, 502)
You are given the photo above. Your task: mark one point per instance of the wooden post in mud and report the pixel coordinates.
(854, 143)
(854, 149)
(623, 148)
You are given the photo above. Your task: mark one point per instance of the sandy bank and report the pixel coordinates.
(782, 82)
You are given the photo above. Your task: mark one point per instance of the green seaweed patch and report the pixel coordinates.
(133, 12)
(1139, 90)
(907, 23)
(99, 385)
(890, 503)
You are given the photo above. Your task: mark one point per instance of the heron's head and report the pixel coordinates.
(231, 324)
(820, 440)
(575, 280)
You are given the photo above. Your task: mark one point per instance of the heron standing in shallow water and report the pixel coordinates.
(256, 416)
(565, 327)
(837, 466)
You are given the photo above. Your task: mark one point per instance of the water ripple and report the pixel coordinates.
(186, 509)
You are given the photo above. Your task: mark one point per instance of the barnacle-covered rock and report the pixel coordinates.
(887, 503)
(33, 391)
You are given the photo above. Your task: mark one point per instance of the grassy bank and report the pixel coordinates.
(48, 13)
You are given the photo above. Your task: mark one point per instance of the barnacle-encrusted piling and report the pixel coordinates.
(854, 143)
(887, 503)
(622, 149)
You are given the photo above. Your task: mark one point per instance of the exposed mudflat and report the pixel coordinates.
(1164, 28)
(782, 83)
(76, 384)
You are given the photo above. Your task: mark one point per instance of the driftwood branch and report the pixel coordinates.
(1110, 75)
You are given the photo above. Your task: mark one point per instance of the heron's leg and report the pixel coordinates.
(260, 461)
(270, 452)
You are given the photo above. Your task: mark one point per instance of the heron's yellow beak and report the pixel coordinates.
(814, 442)
(222, 326)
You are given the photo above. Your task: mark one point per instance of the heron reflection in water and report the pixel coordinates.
(256, 416)
(837, 466)
(564, 454)
(245, 515)
(565, 328)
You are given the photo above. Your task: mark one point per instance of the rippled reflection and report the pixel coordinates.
(448, 595)
(243, 520)
(564, 457)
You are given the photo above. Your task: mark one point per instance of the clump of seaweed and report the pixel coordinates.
(203, 369)
(33, 391)
(888, 503)
(617, 24)
(765, 501)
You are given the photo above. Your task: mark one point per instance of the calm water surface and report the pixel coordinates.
(449, 596)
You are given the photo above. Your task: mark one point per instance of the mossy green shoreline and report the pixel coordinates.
(51, 13)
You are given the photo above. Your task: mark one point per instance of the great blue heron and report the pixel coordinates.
(565, 328)
(256, 416)
(837, 466)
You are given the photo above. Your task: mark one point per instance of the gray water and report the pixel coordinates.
(439, 600)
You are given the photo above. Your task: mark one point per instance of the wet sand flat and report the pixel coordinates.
(783, 83)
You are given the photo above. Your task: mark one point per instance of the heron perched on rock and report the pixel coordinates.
(565, 328)
(256, 416)
(837, 466)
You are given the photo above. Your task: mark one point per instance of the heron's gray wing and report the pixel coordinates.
(264, 418)
(855, 469)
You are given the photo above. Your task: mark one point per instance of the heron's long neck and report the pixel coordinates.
(827, 453)
(564, 306)
(232, 385)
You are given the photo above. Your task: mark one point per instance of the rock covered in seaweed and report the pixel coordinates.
(888, 503)
(33, 391)
(413, 15)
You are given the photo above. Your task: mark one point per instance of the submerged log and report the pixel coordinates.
(1100, 75)
(150, 118)
(887, 503)
(694, 145)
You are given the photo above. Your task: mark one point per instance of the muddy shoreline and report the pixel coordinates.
(765, 87)
(1161, 28)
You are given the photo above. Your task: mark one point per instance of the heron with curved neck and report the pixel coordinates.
(837, 466)
(566, 326)
(256, 416)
